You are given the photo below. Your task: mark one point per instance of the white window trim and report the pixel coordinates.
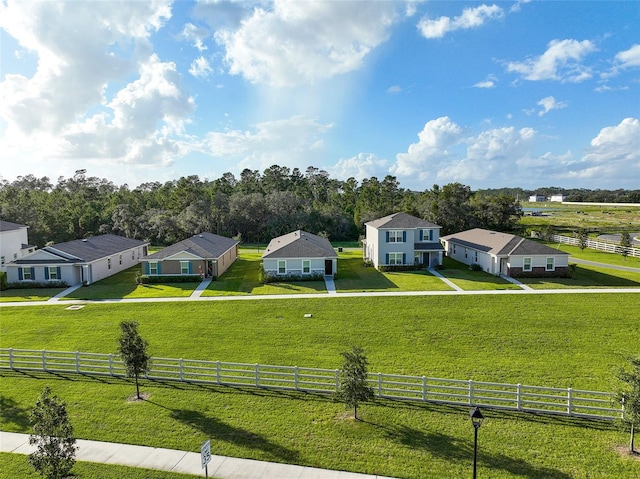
(153, 265)
(282, 262)
(184, 264)
(524, 264)
(553, 264)
(395, 257)
(108, 263)
(307, 263)
(53, 273)
(395, 236)
(25, 272)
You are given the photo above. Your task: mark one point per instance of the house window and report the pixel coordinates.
(153, 267)
(427, 235)
(306, 266)
(133, 254)
(26, 274)
(15, 256)
(551, 264)
(526, 264)
(108, 263)
(476, 257)
(466, 253)
(282, 267)
(395, 258)
(1, 260)
(120, 259)
(454, 248)
(53, 273)
(396, 236)
(184, 267)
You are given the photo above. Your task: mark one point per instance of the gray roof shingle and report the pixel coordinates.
(95, 247)
(9, 226)
(401, 221)
(500, 243)
(299, 244)
(204, 245)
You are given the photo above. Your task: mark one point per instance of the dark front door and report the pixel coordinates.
(328, 267)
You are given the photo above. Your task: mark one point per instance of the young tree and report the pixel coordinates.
(629, 397)
(133, 351)
(353, 387)
(625, 244)
(582, 239)
(53, 436)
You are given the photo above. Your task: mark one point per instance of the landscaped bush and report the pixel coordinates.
(38, 284)
(3, 281)
(475, 267)
(161, 279)
(401, 267)
(266, 278)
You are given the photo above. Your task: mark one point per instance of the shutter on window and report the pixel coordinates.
(386, 258)
(46, 272)
(421, 235)
(404, 236)
(20, 275)
(146, 268)
(430, 235)
(189, 267)
(59, 273)
(159, 267)
(404, 258)
(33, 274)
(387, 236)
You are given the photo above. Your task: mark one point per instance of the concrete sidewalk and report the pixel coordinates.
(220, 467)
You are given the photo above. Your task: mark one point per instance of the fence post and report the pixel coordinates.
(257, 374)
(11, 358)
(569, 401)
(218, 372)
(337, 380)
(295, 377)
(181, 371)
(44, 360)
(111, 365)
(424, 388)
(470, 392)
(519, 396)
(379, 384)
(77, 362)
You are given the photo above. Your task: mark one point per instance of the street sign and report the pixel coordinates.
(205, 453)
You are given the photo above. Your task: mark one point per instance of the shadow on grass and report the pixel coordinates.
(587, 277)
(11, 412)
(219, 430)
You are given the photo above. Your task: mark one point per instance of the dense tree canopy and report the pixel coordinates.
(257, 206)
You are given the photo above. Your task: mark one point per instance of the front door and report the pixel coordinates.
(328, 267)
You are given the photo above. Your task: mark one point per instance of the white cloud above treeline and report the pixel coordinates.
(470, 18)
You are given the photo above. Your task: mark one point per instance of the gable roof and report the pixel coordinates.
(299, 244)
(204, 245)
(401, 221)
(500, 244)
(95, 247)
(9, 226)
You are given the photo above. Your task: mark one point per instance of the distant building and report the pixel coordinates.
(557, 198)
(537, 198)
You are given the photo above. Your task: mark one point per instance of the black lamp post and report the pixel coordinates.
(476, 420)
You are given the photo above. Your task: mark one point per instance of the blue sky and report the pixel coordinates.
(525, 94)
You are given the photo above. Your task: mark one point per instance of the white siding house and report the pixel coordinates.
(402, 240)
(506, 254)
(300, 254)
(14, 242)
(82, 261)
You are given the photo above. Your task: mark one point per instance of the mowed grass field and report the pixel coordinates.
(555, 340)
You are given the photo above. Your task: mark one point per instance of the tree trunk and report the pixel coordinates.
(355, 411)
(633, 433)
(137, 388)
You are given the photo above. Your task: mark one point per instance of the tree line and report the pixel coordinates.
(255, 207)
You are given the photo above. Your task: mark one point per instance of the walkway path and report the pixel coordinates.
(516, 282)
(445, 280)
(201, 287)
(330, 284)
(220, 467)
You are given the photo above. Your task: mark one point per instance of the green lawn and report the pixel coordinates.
(561, 340)
(587, 276)
(354, 276)
(13, 466)
(597, 256)
(243, 278)
(462, 276)
(30, 294)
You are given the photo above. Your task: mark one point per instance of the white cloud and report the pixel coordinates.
(516, 7)
(561, 61)
(293, 142)
(549, 103)
(200, 67)
(295, 43)
(470, 18)
(361, 166)
(195, 35)
(613, 157)
(432, 149)
(485, 84)
(625, 59)
(394, 89)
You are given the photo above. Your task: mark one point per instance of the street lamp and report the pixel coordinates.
(476, 420)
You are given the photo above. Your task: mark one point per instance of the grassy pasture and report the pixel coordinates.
(561, 340)
(570, 217)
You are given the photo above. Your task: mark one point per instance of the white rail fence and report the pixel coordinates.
(599, 245)
(516, 397)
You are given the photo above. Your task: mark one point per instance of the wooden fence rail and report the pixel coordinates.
(598, 245)
(516, 397)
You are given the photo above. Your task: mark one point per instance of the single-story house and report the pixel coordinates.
(83, 261)
(14, 242)
(557, 198)
(300, 253)
(537, 198)
(401, 239)
(506, 254)
(205, 254)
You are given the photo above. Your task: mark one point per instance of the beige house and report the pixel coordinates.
(206, 255)
(506, 254)
(300, 254)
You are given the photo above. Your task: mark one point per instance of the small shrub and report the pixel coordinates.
(266, 278)
(3, 281)
(475, 267)
(162, 279)
(37, 284)
(401, 267)
(571, 270)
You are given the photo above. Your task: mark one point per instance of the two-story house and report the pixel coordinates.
(401, 239)
(14, 242)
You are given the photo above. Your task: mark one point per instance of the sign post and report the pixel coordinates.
(205, 456)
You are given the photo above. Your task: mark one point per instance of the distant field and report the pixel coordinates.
(570, 217)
